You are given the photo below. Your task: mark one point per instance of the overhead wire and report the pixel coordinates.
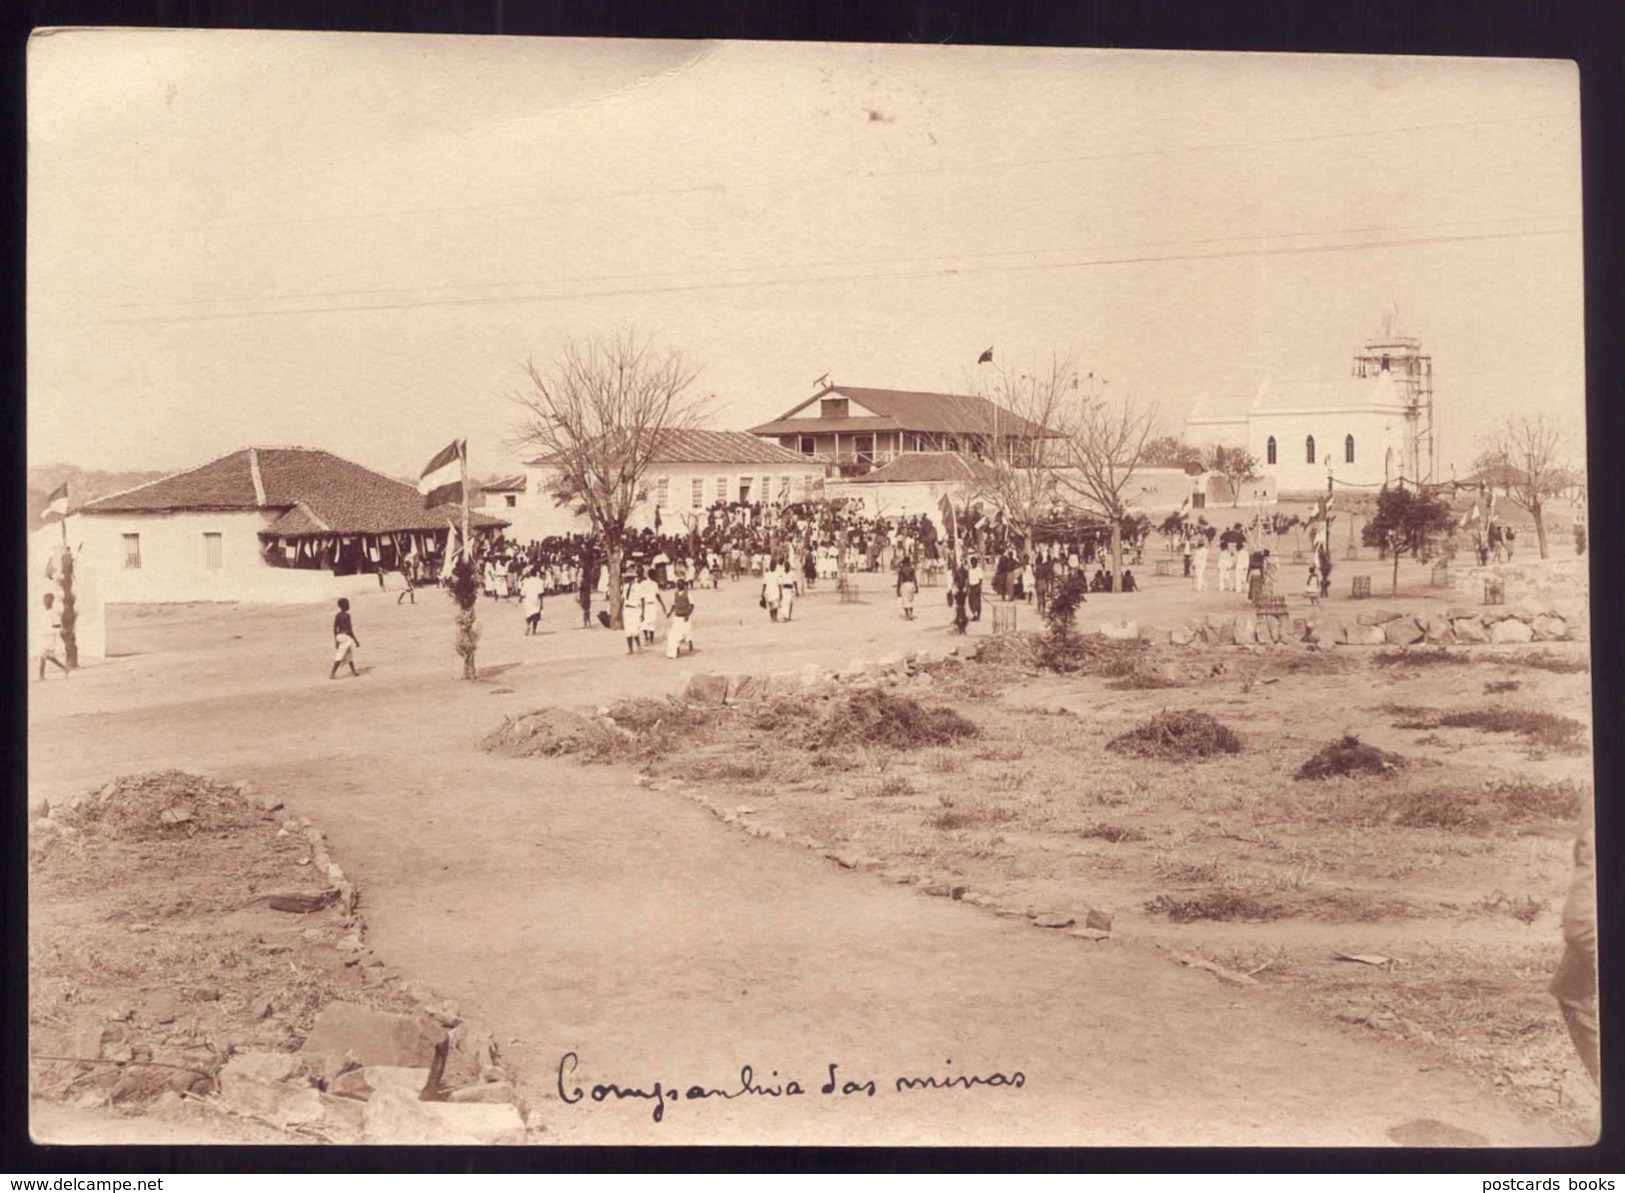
(518, 299)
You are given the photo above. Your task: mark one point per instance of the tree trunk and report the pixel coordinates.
(1117, 555)
(613, 555)
(70, 611)
(1540, 529)
(1393, 586)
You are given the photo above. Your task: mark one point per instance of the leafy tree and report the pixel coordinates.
(1170, 451)
(1407, 522)
(1236, 465)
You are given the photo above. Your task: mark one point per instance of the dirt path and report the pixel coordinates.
(576, 912)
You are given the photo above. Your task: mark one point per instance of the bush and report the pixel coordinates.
(1349, 756)
(1180, 734)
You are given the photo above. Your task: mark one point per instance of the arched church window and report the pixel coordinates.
(1348, 449)
(1309, 449)
(1269, 450)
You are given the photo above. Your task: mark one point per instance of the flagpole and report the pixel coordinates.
(462, 461)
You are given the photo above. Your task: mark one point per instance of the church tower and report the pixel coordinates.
(1396, 352)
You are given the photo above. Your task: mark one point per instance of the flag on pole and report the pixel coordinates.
(442, 481)
(57, 502)
(450, 559)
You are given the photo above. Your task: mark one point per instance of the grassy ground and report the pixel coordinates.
(1432, 838)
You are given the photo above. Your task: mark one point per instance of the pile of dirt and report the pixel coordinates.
(550, 732)
(1349, 756)
(1183, 733)
(163, 804)
(1092, 654)
(876, 717)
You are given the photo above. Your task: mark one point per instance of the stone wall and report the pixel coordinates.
(1523, 621)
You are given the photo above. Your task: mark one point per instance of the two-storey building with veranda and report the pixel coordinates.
(1369, 427)
(856, 430)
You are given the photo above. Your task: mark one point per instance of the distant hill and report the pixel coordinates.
(84, 484)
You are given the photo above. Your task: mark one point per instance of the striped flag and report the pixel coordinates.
(57, 502)
(442, 481)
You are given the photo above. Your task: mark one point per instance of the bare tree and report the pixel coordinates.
(1105, 445)
(1525, 457)
(1022, 444)
(598, 417)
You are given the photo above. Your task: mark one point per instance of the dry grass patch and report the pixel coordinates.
(1184, 733)
(1544, 660)
(1115, 833)
(1437, 657)
(1499, 687)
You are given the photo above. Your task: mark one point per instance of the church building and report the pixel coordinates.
(1370, 427)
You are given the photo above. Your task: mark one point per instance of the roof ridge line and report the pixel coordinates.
(162, 479)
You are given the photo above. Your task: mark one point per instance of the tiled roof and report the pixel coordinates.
(316, 490)
(927, 467)
(715, 447)
(508, 484)
(907, 410)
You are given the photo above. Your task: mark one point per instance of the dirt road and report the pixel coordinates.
(578, 913)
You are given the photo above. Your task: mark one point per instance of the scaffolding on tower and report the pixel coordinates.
(1400, 355)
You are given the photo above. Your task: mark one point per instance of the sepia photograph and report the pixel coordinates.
(635, 592)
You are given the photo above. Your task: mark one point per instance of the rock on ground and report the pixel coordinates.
(1403, 631)
(1470, 630)
(394, 1118)
(375, 1037)
(1511, 630)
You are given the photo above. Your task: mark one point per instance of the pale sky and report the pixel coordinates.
(354, 241)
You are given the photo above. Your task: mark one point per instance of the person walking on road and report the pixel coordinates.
(345, 642)
(908, 586)
(50, 638)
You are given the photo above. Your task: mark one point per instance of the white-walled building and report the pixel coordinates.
(691, 472)
(1368, 427)
(267, 524)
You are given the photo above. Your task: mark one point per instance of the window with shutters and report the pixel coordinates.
(696, 493)
(722, 488)
(1348, 449)
(212, 560)
(132, 551)
(744, 488)
(1309, 449)
(512, 500)
(662, 492)
(784, 489)
(1269, 451)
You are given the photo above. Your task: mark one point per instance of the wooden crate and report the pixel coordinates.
(1362, 587)
(1004, 619)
